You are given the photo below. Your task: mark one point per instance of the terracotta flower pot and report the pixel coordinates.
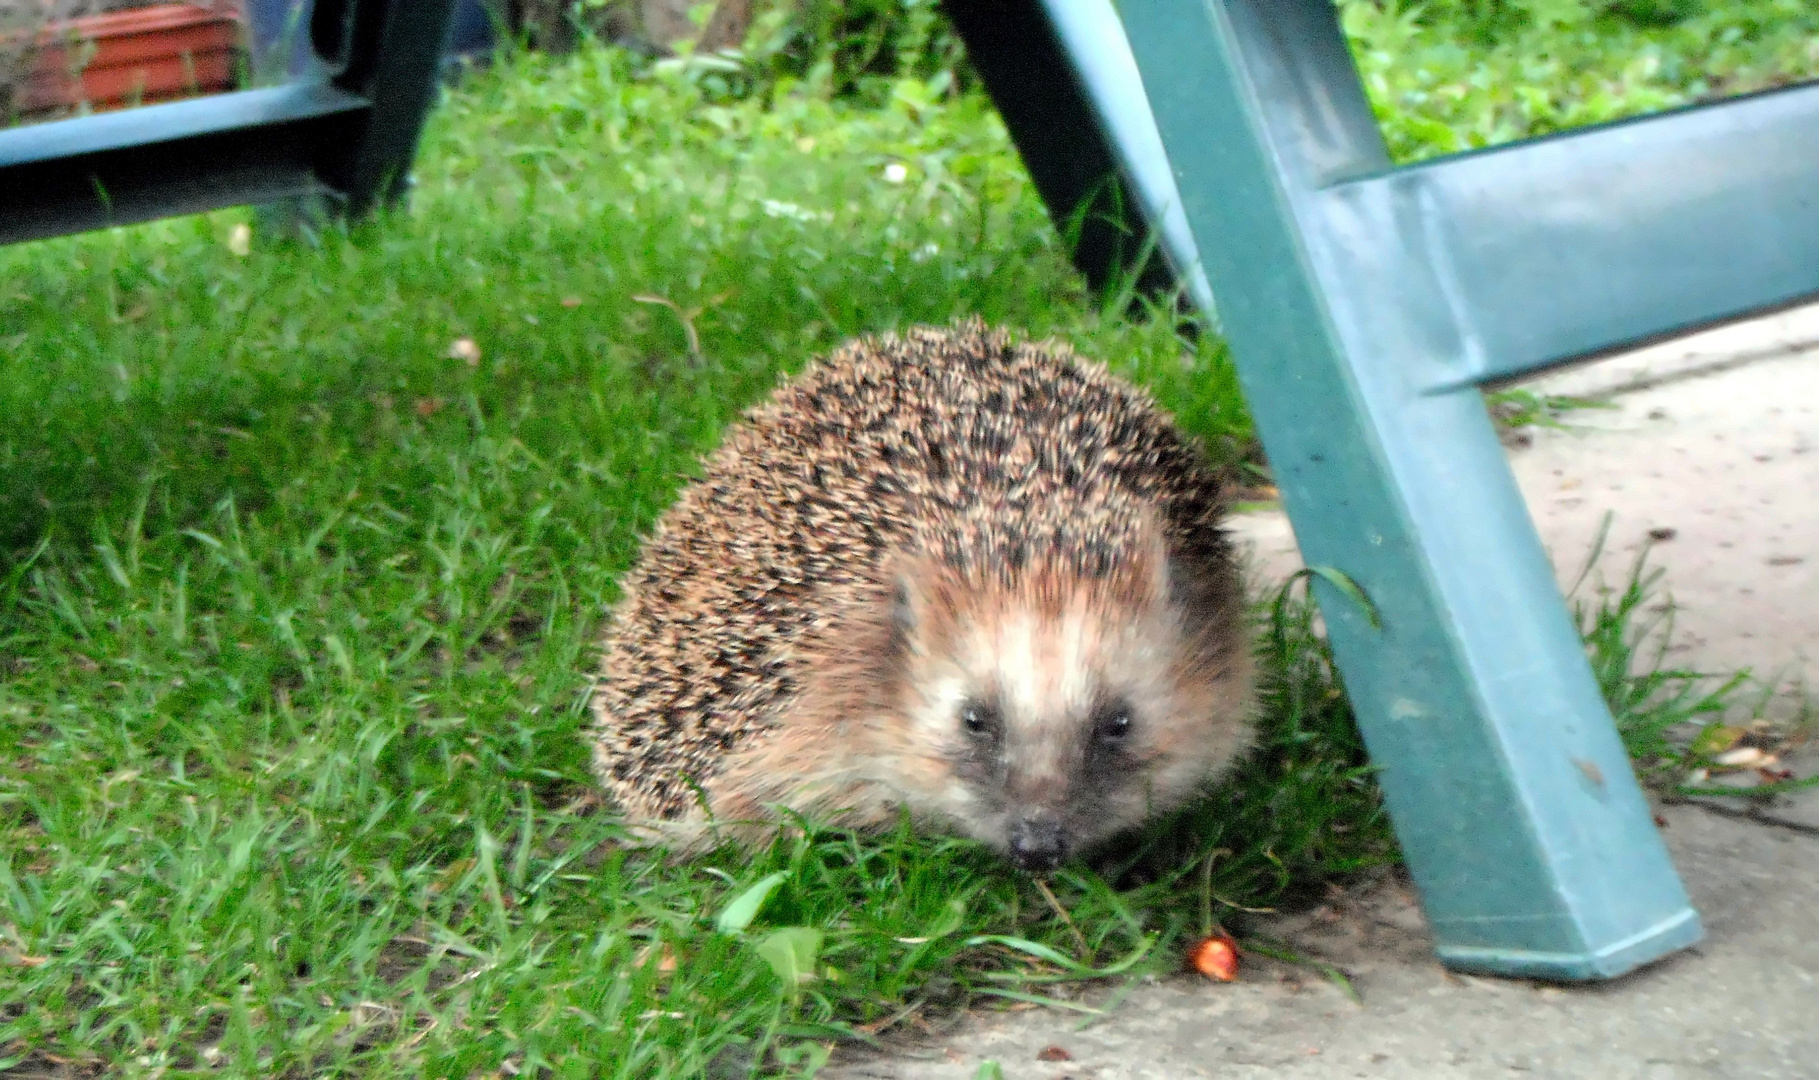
(130, 57)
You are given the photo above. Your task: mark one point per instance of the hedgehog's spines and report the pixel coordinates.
(961, 444)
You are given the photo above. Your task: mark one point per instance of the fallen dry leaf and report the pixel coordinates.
(1257, 493)
(571, 301)
(1216, 957)
(1054, 1053)
(428, 406)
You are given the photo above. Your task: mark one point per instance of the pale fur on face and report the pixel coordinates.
(1053, 654)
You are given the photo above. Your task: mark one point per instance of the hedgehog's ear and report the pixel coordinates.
(914, 586)
(1183, 590)
(1156, 572)
(903, 607)
(1202, 600)
(1172, 582)
(906, 607)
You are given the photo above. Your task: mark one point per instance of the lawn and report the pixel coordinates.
(1453, 75)
(298, 600)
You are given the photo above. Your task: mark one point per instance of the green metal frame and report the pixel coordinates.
(1073, 158)
(1066, 86)
(1365, 305)
(346, 134)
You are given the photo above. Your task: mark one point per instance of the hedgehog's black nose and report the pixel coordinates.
(1037, 844)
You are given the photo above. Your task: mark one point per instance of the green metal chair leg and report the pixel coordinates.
(1022, 58)
(1523, 826)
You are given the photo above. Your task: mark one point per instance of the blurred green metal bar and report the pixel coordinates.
(1363, 306)
(391, 52)
(1048, 107)
(346, 135)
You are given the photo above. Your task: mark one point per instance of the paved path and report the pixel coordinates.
(1742, 1006)
(1712, 444)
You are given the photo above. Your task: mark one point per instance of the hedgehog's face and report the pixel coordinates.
(1045, 717)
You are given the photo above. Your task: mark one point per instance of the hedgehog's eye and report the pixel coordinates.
(979, 719)
(1112, 723)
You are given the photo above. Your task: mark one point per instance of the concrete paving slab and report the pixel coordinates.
(1743, 1005)
(1717, 472)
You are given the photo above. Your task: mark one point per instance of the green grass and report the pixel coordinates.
(1456, 75)
(1675, 722)
(297, 612)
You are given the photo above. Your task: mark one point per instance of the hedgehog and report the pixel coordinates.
(949, 574)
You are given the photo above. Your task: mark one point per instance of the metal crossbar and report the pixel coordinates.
(347, 133)
(254, 146)
(1549, 250)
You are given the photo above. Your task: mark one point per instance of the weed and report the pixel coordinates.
(1519, 408)
(1676, 723)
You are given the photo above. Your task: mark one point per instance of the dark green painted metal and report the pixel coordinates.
(1022, 61)
(184, 157)
(345, 136)
(393, 55)
(1512, 796)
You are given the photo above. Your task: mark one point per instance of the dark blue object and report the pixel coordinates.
(1072, 159)
(474, 30)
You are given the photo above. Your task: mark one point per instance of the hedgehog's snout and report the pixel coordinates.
(1038, 843)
